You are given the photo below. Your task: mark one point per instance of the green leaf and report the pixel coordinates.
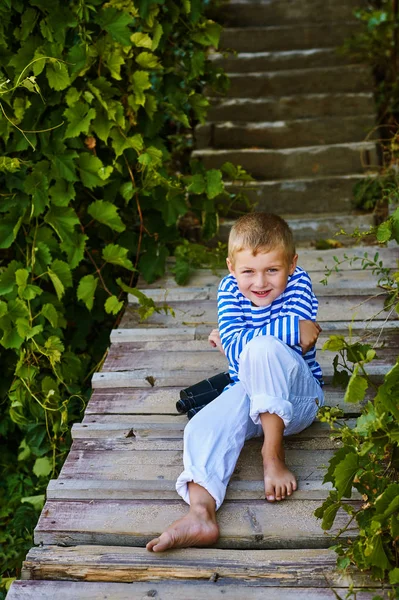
(42, 467)
(117, 255)
(384, 231)
(79, 117)
(113, 305)
(57, 76)
(394, 576)
(209, 35)
(116, 23)
(151, 157)
(114, 61)
(107, 214)
(140, 83)
(344, 474)
(377, 557)
(197, 185)
(36, 501)
(214, 183)
(141, 40)
(335, 343)
(86, 290)
(147, 60)
(63, 220)
(50, 313)
(357, 387)
(64, 165)
(74, 247)
(120, 142)
(92, 171)
(63, 272)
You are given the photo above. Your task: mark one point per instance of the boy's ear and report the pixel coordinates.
(230, 266)
(293, 264)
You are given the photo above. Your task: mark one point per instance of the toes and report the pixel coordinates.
(269, 492)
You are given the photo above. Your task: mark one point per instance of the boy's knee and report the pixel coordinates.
(262, 344)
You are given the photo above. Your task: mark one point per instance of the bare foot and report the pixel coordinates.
(279, 481)
(197, 528)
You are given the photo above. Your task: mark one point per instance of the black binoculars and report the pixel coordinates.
(195, 397)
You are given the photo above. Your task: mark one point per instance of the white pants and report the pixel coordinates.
(273, 378)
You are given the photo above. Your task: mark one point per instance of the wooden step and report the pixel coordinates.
(301, 35)
(334, 308)
(285, 134)
(143, 430)
(155, 400)
(310, 260)
(268, 568)
(176, 590)
(288, 108)
(278, 12)
(335, 159)
(250, 524)
(345, 283)
(164, 489)
(247, 62)
(296, 197)
(153, 466)
(346, 78)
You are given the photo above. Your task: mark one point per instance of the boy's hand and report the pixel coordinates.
(309, 332)
(214, 340)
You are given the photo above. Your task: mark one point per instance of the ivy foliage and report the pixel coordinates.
(368, 458)
(97, 102)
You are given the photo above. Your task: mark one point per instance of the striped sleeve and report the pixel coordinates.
(235, 331)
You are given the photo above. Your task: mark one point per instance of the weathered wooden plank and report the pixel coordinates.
(250, 524)
(331, 308)
(151, 336)
(152, 377)
(204, 287)
(176, 590)
(163, 400)
(161, 427)
(163, 489)
(120, 358)
(269, 568)
(310, 260)
(177, 334)
(129, 343)
(119, 442)
(168, 464)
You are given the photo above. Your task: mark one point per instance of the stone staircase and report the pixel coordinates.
(298, 114)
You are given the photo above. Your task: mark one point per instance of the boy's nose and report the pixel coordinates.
(261, 281)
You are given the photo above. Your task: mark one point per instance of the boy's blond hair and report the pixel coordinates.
(260, 232)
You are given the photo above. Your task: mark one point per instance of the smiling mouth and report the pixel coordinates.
(262, 294)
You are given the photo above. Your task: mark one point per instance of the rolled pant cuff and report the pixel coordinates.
(213, 485)
(270, 404)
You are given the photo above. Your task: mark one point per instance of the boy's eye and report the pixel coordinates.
(273, 270)
(247, 271)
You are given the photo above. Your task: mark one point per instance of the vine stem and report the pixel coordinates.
(142, 227)
(98, 271)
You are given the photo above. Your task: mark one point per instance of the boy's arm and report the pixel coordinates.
(294, 329)
(235, 332)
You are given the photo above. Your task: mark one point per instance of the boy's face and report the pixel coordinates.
(262, 278)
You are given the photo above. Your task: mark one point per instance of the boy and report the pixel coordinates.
(267, 329)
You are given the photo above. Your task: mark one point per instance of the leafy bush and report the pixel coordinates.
(368, 459)
(97, 102)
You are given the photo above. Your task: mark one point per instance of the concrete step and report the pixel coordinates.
(291, 163)
(298, 196)
(247, 62)
(285, 134)
(287, 37)
(287, 108)
(278, 12)
(350, 78)
(309, 228)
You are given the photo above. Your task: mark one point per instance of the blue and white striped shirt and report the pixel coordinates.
(240, 321)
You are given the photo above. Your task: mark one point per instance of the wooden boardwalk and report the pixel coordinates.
(116, 489)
